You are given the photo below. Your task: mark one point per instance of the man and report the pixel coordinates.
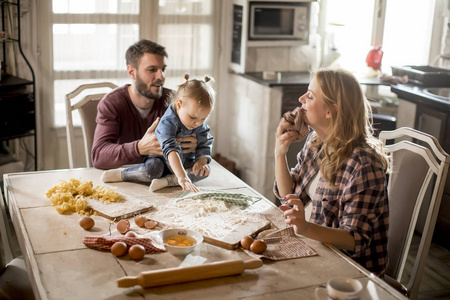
(127, 117)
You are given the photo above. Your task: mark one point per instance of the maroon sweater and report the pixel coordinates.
(120, 127)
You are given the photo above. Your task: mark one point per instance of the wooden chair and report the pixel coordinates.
(14, 280)
(419, 169)
(87, 108)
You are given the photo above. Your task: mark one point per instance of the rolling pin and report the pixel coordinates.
(191, 273)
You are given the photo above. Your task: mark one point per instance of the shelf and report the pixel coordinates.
(17, 94)
(8, 40)
(8, 2)
(16, 136)
(8, 81)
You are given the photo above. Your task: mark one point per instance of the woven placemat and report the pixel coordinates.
(284, 244)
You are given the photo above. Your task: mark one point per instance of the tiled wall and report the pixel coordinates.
(255, 111)
(260, 59)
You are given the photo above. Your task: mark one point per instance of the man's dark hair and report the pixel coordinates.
(135, 51)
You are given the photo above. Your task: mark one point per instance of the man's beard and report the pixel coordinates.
(146, 91)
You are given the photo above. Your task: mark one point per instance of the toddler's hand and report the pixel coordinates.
(200, 168)
(187, 184)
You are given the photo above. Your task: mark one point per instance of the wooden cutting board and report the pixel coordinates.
(127, 207)
(231, 241)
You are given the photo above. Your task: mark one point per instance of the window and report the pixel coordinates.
(90, 38)
(407, 33)
(407, 28)
(348, 34)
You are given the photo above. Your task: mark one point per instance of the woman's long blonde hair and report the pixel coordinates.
(351, 123)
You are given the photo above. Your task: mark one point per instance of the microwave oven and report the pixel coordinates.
(278, 21)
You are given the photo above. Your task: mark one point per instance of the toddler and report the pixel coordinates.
(186, 115)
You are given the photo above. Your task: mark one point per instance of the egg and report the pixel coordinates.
(150, 224)
(123, 226)
(140, 220)
(119, 248)
(258, 246)
(87, 222)
(246, 241)
(136, 252)
(131, 234)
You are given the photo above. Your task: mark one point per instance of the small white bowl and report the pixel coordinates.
(167, 233)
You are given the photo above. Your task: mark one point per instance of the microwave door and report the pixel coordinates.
(272, 23)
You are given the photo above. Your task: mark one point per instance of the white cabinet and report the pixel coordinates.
(406, 114)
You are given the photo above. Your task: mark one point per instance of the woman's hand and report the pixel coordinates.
(284, 138)
(187, 184)
(294, 213)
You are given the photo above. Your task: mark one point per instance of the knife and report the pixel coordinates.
(192, 273)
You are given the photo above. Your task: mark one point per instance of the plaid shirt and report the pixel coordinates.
(359, 205)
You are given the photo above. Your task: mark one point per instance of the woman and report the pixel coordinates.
(341, 169)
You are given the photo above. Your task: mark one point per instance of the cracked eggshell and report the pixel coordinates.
(123, 226)
(131, 234)
(150, 224)
(140, 221)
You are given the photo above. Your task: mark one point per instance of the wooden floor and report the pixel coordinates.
(436, 278)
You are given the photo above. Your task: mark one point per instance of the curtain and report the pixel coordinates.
(84, 41)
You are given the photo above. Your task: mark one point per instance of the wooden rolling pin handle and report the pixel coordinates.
(192, 273)
(253, 264)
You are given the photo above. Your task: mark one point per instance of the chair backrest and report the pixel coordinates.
(87, 107)
(418, 173)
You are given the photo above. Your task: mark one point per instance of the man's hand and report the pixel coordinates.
(188, 143)
(149, 144)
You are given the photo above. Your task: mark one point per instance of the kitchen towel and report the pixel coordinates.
(105, 242)
(283, 244)
(296, 119)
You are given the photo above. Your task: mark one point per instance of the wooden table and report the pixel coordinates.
(62, 267)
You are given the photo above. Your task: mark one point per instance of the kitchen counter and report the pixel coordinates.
(297, 79)
(418, 95)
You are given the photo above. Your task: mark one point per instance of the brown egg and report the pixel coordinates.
(131, 234)
(246, 241)
(140, 220)
(119, 248)
(123, 226)
(258, 246)
(150, 224)
(87, 222)
(136, 252)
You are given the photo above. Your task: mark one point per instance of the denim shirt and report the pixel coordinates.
(170, 128)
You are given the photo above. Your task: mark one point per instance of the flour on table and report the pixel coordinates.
(212, 218)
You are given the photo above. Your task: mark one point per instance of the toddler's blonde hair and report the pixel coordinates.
(199, 90)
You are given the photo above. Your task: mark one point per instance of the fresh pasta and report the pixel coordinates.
(69, 196)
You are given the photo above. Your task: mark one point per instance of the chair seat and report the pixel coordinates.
(396, 285)
(14, 281)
